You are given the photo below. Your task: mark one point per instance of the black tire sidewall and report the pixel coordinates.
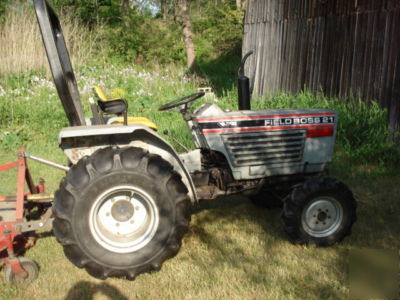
(302, 195)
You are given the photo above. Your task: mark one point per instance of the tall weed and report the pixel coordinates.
(30, 103)
(21, 47)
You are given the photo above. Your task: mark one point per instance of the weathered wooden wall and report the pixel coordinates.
(341, 47)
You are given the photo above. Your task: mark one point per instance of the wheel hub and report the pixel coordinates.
(322, 216)
(122, 210)
(123, 219)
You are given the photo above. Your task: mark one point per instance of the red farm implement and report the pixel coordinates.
(20, 216)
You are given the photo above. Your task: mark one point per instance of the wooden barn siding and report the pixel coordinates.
(341, 47)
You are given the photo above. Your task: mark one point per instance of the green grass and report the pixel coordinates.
(233, 249)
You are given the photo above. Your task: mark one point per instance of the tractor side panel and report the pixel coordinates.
(272, 142)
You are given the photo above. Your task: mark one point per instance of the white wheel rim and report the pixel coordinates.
(322, 217)
(124, 219)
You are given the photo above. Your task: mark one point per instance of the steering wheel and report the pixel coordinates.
(181, 101)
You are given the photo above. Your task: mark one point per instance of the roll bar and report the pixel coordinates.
(59, 61)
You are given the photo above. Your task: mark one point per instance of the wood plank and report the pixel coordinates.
(346, 57)
(369, 84)
(391, 66)
(394, 90)
(379, 54)
(310, 53)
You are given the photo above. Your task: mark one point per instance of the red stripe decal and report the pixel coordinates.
(265, 117)
(267, 128)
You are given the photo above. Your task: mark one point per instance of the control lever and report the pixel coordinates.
(175, 140)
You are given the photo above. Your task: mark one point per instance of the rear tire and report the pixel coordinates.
(121, 212)
(321, 211)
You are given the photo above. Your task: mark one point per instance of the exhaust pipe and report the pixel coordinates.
(244, 85)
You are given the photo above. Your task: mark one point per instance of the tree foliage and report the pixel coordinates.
(150, 30)
(156, 35)
(142, 38)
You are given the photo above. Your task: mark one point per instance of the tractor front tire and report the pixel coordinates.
(320, 211)
(121, 212)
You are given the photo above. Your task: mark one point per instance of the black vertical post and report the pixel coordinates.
(244, 94)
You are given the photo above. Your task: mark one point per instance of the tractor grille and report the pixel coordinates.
(267, 147)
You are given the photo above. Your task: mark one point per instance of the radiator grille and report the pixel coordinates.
(246, 149)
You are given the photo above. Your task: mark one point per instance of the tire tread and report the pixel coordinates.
(104, 161)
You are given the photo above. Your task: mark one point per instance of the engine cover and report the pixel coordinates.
(269, 142)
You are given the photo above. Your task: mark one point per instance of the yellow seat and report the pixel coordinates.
(101, 95)
(135, 120)
(131, 120)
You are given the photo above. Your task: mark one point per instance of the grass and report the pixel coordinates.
(233, 249)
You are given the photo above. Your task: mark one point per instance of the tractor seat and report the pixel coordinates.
(134, 120)
(110, 105)
(118, 106)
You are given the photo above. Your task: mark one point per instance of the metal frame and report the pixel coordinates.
(10, 230)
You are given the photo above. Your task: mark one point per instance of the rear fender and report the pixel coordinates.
(80, 141)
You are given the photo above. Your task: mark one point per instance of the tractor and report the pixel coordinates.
(125, 202)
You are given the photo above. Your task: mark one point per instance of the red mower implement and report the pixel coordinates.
(21, 215)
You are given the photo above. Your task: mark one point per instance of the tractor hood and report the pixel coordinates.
(59, 61)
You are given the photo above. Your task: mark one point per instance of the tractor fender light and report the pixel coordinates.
(320, 132)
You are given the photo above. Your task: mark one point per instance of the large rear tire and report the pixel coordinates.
(321, 211)
(121, 212)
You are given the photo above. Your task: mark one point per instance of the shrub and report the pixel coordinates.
(141, 38)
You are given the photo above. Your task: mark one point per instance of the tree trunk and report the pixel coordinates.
(124, 6)
(184, 18)
(240, 4)
(164, 10)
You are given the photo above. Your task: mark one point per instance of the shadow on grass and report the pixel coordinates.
(377, 224)
(377, 227)
(278, 252)
(85, 290)
(230, 210)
